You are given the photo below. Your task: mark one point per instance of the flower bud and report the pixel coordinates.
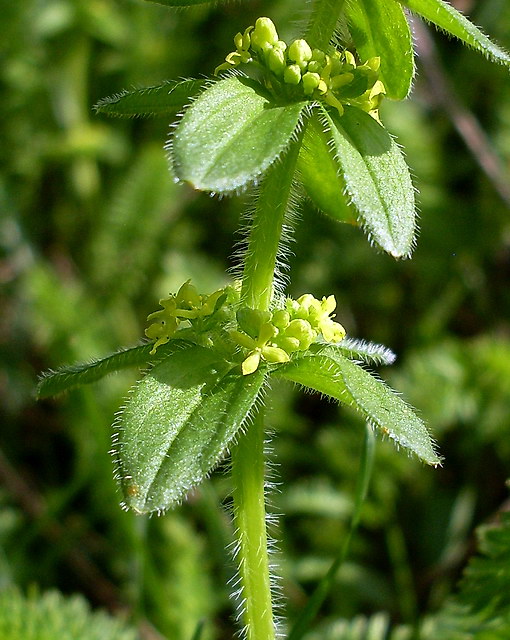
(292, 74)
(300, 52)
(281, 319)
(302, 331)
(310, 82)
(276, 60)
(264, 35)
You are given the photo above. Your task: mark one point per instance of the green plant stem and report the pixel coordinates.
(323, 21)
(265, 234)
(248, 466)
(312, 607)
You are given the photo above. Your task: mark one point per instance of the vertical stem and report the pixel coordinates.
(323, 21)
(248, 473)
(248, 467)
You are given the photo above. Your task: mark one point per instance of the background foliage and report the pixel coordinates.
(94, 231)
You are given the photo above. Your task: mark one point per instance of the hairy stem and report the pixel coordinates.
(248, 466)
(266, 230)
(323, 21)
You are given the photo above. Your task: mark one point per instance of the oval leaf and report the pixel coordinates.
(230, 135)
(380, 28)
(444, 16)
(161, 100)
(319, 174)
(376, 177)
(177, 425)
(346, 381)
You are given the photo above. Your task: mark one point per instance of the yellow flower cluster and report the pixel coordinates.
(273, 337)
(335, 78)
(186, 305)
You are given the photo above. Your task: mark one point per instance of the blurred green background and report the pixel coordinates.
(94, 231)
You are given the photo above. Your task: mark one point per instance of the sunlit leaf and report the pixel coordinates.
(380, 28)
(347, 382)
(161, 100)
(376, 178)
(444, 16)
(177, 425)
(230, 135)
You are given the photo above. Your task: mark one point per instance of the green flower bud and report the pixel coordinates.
(292, 74)
(281, 319)
(264, 35)
(310, 82)
(300, 52)
(251, 320)
(302, 331)
(314, 66)
(276, 60)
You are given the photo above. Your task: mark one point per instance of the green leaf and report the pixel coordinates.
(51, 615)
(380, 28)
(177, 425)
(347, 382)
(54, 382)
(319, 174)
(376, 177)
(444, 16)
(369, 352)
(161, 100)
(230, 135)
(481, 607)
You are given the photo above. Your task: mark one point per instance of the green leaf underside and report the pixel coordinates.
(444, 16)
(380, 28)
(318, 172)
(165, 99)
(230, 135)
(376, 178)
(178, 423)
(54, 382)
(347, 382)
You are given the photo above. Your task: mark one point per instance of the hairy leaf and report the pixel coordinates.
(360, 349)
(230, 135)
(376, 178)
(54, 382)
(444, 16)
(320, 176)
(380, 28)
(178, 423)
(349, 383)
(161, 100)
